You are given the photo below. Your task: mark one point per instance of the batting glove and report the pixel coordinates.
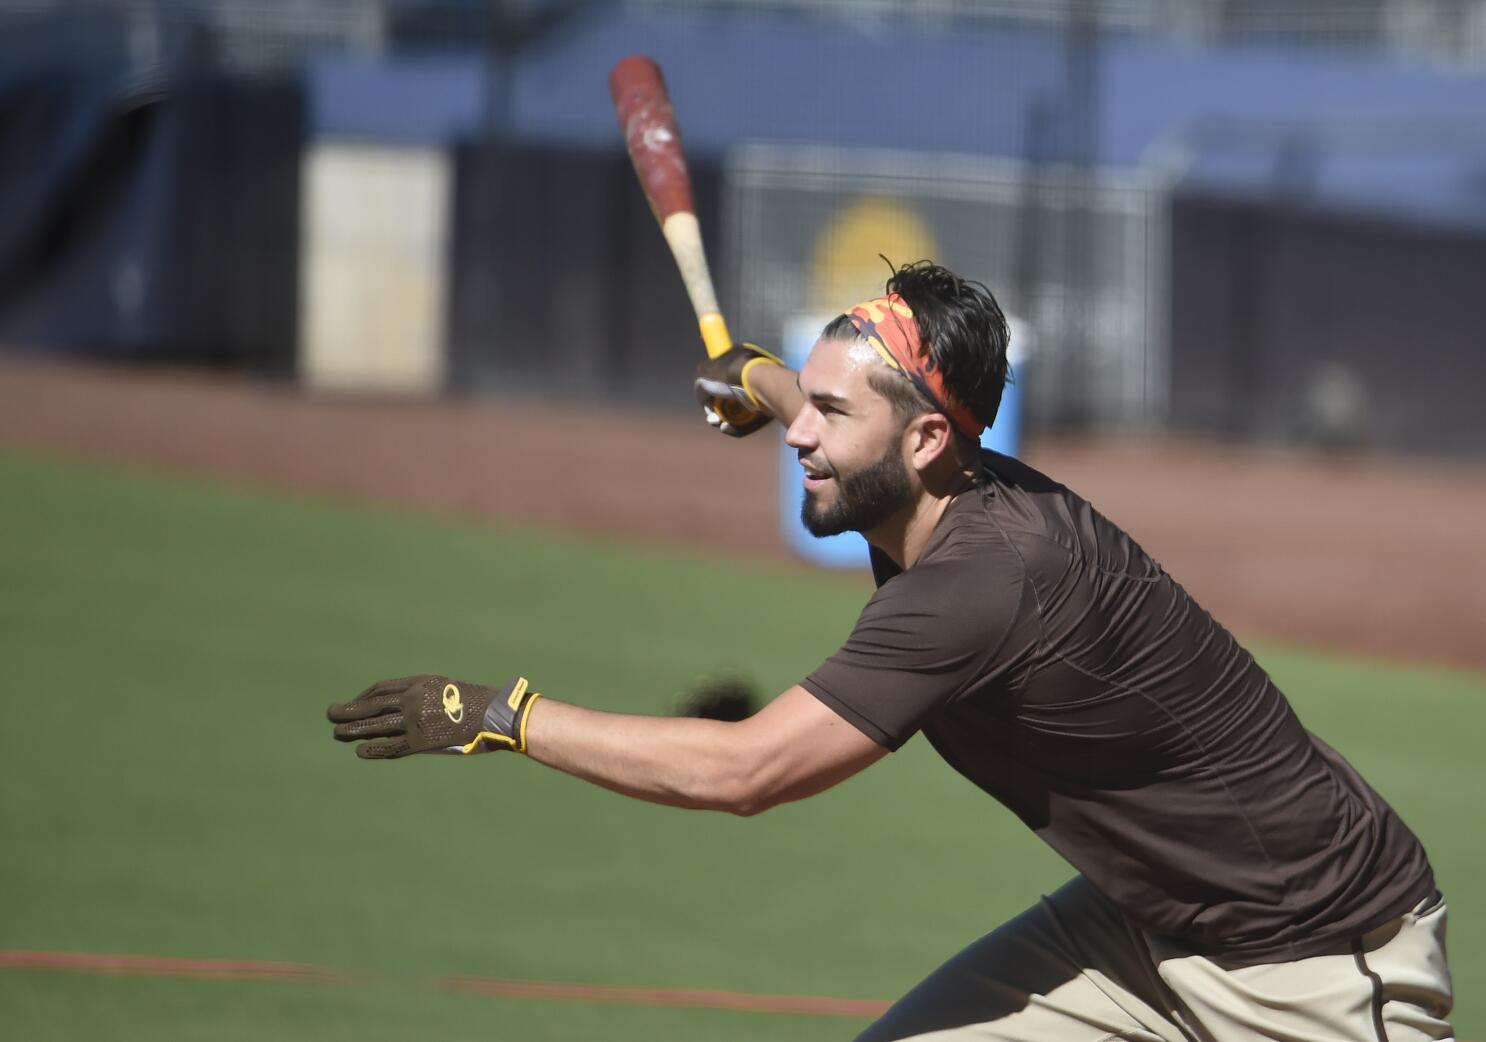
(722, 387)
(433, 714)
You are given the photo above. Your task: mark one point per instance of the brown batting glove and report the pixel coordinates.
(433, 714)
(722, 388)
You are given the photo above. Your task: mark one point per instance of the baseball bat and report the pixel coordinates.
(653, 140)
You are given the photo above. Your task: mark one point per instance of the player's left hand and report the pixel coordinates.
(721, 386)
(433, 714)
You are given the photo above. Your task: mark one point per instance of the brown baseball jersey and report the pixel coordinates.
(1050, 661)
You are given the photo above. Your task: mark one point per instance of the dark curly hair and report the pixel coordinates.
(964, 330)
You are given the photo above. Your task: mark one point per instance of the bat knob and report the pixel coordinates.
(735, 412)
(734, 418)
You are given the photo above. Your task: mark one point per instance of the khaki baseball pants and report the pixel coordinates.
(1072, 969)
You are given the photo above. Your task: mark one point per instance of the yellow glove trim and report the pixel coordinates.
(517, 744)
(764, 359)
(517, 690)
(770, 355)
(521, 725)
(474, 746)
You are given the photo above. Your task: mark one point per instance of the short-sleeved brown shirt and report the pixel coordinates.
(1054, 664)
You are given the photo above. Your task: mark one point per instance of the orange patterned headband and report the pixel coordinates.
(887, 324)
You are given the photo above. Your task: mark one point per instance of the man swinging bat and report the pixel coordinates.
(1237, 878)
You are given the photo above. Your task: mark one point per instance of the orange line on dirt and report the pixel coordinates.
(676, 998)
(502, 987)
(165, 966)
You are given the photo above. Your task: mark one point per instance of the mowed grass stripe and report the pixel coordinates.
(171, 646)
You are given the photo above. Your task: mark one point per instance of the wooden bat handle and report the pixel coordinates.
(684, 236)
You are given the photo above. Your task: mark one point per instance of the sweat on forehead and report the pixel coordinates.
(860, 354)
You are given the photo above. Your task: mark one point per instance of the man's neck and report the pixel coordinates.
(904, 535)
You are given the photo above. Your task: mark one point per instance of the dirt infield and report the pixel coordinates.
(1382, 557)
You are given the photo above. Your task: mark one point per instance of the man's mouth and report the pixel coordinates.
(815, 477)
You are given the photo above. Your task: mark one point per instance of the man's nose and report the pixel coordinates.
(801, 434)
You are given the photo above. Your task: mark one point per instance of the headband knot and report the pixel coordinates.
(887, 323)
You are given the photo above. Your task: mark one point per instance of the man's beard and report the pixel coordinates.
(864, 499)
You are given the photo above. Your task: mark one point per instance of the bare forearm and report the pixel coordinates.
(792, 748)
(777, 390)
(680, 762)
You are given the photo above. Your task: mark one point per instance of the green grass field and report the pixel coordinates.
(170, 787)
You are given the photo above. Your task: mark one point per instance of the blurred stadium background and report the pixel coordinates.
(1164, 191)
(350, 258)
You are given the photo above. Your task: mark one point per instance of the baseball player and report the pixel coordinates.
(1237, 878)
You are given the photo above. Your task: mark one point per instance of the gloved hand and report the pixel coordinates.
(428, 713)
(722, 388)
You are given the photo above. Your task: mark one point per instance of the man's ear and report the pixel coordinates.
(929, 439)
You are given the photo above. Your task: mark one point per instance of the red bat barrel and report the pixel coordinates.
(648, 123)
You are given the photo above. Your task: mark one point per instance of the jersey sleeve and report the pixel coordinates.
(926, 637)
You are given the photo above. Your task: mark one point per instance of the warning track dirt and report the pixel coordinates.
(1379, 557)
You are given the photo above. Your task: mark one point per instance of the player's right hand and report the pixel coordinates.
(433, 714)
(722, 388)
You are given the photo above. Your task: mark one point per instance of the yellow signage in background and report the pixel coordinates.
(846, 267)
